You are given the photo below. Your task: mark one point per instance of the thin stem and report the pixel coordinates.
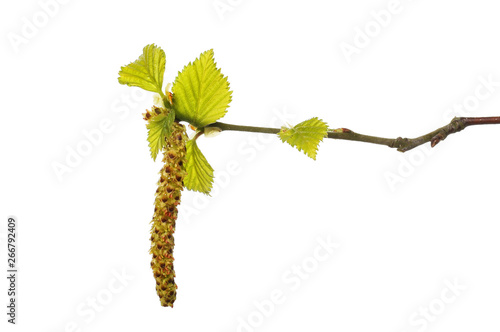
(225, 126)
(401, 144)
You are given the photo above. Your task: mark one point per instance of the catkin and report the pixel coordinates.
(168, 196)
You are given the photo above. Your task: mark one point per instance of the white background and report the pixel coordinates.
(399, 241)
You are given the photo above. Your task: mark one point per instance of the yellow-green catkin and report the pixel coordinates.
(168, 196)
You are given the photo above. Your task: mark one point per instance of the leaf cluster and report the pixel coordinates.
(200, 96)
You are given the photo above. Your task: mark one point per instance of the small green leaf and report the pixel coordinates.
(147, 71)
(305, 136)
(201, 93)
(159, 128)
(200, 175)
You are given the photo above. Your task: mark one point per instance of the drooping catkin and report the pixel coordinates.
(168, 196)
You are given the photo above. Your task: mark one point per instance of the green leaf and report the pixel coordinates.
(201, 93)
(200, 175)
(159, 128)
(305, 136)
(147, 71)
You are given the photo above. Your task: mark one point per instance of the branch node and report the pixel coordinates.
(456, 125)
(401, 144)
(438, 138)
